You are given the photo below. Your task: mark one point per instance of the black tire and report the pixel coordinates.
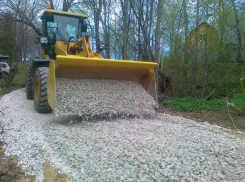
(40, 93)
(29, 83)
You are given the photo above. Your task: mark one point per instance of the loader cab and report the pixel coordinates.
(61, 26)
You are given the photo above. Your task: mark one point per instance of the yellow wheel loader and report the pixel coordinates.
(67, 53)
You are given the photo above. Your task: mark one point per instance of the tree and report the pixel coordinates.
(106, 23)
(96, 7)
(67, 4)
(143, 12)
(9, 45)
(238, 31)
(22, 15)
(125, 14)
(158, 31)
(185, 46)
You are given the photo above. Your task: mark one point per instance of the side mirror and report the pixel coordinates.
(102, 47)
(84, 27)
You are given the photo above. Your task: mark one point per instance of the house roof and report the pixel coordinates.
(203, 23)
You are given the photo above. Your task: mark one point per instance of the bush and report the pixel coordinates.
(216, 76)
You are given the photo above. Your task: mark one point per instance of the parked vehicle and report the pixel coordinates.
(4, 69)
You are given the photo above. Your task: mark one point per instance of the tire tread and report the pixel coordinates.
(29, 83)
(42, 105)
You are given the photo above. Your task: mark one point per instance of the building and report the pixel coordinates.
(203, 37)
(204, 42)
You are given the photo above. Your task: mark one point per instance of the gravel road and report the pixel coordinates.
(167, 148)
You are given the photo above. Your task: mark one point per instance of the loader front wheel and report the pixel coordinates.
(29, 83)
(40, 90)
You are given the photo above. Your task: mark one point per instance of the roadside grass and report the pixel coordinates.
(193, 104)
(18, 81)
(238, 100)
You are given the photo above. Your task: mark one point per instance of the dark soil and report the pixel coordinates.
(9, 171)
(223, 118)
(218, 117)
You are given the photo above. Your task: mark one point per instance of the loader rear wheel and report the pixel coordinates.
(40, 90)
(29, 83)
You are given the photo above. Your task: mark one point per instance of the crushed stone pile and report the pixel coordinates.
(93, 97)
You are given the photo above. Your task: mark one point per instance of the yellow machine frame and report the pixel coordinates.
(80, 62)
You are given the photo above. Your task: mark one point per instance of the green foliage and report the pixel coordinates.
(20, 77)
(208, 74)
(238, 99)
(7, 39)
(195, 104)
(9, 46)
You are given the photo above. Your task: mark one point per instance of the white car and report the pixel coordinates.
(4, 68)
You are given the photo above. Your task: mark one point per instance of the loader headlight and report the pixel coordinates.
(43, 40)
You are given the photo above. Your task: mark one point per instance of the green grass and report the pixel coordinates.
(20, 78)
(18, 81)
(192, 104)
(238, 100)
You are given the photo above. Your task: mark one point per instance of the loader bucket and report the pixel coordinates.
(76, 67)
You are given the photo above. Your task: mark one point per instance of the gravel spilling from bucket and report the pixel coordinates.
(102, 97)
(167, 148)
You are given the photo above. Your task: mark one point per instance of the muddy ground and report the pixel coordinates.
(236, 119)
(222, 118)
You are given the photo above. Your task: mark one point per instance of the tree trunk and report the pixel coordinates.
(185, 86)
(194, 61)
(52, 4)
(107, 41)
(150, 56)
(125, 12)
(97, 13)
(106, 6)
(239, 38)
(158, 31)
(221, 21)
(67, 5)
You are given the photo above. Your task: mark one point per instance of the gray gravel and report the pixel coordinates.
(167, 148)
(94, 97)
